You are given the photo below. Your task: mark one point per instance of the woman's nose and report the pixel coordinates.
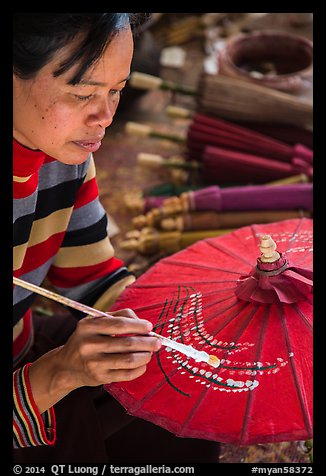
(102, 114)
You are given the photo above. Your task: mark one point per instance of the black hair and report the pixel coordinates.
(38, 36)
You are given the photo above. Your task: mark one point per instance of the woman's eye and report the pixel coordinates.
(115, 92)
(83, 98)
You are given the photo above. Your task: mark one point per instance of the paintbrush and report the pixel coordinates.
(188, 350)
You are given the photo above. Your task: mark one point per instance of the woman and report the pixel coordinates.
(69, 71)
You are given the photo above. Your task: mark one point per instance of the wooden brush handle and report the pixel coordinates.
(58, 298)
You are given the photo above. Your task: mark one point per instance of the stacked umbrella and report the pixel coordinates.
(231, 152)
(227, 153)
(214, 211)
(236, 165)
(250, 197)
(238, 153)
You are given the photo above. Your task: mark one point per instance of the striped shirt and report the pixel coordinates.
(60, 233)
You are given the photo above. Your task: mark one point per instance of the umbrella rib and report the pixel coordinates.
(294, 373)
(303, 317)
(221, 311)
(159, 385)
(174, 284)
(245, 324)
(199, 266)
(299, 225)
(250, 399)
(226, 251)
(160, 304)
(214, 346)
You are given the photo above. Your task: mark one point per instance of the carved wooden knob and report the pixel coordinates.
(268, 249)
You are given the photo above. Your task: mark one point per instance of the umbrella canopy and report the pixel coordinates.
(262, 389)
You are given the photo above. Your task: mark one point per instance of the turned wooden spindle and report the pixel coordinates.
(178, 112)
(147, 82)
(143, 130)
(151, 219)
(135, 202)
(268, 249)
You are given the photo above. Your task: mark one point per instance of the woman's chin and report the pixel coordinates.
(70, 156)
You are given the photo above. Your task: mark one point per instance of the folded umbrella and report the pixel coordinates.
(205, 130)
(228, 164)
(152, 198)
(288, 134)
(210, 220)
(222, 165)
(246, 197)
(137, 202)
(149, 241)
(262, 389)
(217, 166)
(169, 189)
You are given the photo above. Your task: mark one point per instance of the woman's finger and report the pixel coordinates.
(98, 369)
(125, 313)
(105, 362)
(99, 344)
(125, 375)
(114, 325)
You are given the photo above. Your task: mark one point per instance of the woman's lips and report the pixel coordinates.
(88, 145)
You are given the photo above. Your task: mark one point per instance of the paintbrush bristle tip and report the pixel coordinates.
(214, 361)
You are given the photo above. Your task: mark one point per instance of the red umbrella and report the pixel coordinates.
(222, 165)
(288, 134)
(261, 390)
(205, 130)
(245, 197)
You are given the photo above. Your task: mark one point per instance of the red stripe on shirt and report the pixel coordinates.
(21, 439)
(24, 189)
(38, 254)
(70, 277)
(48, 159)
(87, 193)
(20, 341)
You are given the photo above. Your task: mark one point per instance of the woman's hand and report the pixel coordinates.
(101, 350)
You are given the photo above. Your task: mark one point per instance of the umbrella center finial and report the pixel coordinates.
(268, 249)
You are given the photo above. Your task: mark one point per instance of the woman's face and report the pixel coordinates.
(67, 122)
